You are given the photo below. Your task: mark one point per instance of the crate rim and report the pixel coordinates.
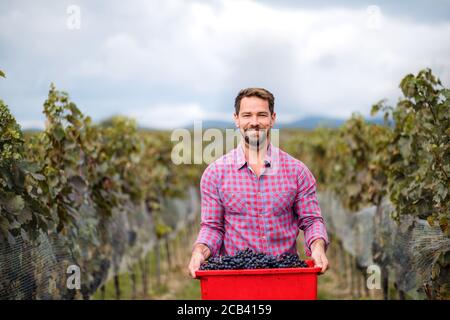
(205, 273)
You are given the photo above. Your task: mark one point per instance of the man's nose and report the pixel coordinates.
(254, 121)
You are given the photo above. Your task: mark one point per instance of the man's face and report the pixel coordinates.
(254, 120)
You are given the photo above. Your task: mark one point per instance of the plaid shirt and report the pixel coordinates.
(265, 214)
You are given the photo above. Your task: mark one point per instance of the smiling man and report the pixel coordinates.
(258, 196)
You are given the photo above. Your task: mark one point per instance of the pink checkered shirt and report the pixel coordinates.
(240, 210)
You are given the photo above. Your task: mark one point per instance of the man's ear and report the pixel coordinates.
(236, 121)
(273, 118)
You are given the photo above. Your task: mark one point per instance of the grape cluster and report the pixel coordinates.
(248, 259)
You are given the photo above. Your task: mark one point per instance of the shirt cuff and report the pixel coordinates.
(210, 246)
(311, 240)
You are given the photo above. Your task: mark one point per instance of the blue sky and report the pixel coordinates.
(168, 63)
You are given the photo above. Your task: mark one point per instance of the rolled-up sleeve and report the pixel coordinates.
(212, 225)
(306, 205)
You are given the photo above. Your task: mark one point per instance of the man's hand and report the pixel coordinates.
(200, 253)
(318, 255)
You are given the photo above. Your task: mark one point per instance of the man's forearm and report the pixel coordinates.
(318, 243)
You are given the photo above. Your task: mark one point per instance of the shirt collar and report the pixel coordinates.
(240, 157)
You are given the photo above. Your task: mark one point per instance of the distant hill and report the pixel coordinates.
(308, 123)
(314, 122)
(219, 124)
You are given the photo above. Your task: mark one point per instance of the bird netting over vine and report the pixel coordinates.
(101, 249)
(409, 251)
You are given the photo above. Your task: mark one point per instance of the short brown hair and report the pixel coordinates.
(254, 92)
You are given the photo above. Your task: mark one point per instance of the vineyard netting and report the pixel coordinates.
(405, 252)
(40, 271)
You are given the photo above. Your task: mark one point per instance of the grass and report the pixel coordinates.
(191, 291)
(322, 282)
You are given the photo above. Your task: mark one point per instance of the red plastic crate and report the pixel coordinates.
(260, 284)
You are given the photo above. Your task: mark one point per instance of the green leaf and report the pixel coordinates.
(435, 271)
(38, 176)
(2, 74)
(442, 191)
(375, 109)
(15, 204)
(4, 225)
(58, 133)
(24, 217)
(407, 85)
(443, 223)
(29, 167)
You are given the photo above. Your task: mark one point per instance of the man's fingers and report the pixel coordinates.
(324, 265)
(320, 262)
(317, 261)
(192, 270)
(194, 265)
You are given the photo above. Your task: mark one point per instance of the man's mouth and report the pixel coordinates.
(255, 136)
(253, 130)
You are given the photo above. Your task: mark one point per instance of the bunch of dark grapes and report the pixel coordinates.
(248, 259)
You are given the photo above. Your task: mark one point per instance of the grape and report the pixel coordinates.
(248, 259)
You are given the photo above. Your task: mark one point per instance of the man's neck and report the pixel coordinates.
(254, 155)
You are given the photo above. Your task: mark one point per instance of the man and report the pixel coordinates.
(258, 196)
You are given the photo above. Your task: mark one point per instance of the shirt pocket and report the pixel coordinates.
(235, 203)
(282, 202)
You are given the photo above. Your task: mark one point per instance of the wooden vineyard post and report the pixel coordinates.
(169, 260)
(144, 264)
(158, 263)
(117, 287)
(102, 290)
(133, 284)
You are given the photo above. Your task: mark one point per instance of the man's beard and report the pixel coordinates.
(255, 140)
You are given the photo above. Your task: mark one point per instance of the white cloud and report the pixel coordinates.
(188, 59)
(166, 116)
(175, 115)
